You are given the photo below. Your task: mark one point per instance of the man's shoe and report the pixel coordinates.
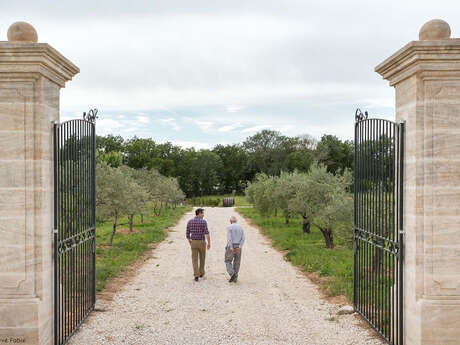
(232, 278)
(201, 276)
(196, 279)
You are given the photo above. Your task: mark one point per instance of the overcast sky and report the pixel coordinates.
(203, 72)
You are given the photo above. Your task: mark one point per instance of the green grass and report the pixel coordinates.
(308, 251)
(240, 200)
(127, 248)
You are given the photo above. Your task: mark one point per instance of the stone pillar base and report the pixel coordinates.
(440, 321)
(20, 321)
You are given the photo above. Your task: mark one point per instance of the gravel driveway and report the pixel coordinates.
(271, 304)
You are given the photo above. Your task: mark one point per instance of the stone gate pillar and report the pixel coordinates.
(426, 77)
(31, 75)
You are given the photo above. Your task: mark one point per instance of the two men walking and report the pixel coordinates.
(197, 233)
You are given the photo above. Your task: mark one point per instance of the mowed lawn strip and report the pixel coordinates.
(308, 251)
(128, 247)
(240, 200)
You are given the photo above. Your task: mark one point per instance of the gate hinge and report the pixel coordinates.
(55, 231)
(402, 232)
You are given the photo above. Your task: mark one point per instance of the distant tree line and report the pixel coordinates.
(227, 168)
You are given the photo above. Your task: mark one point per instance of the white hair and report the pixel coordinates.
(233, 219)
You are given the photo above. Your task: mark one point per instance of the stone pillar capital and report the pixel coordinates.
(429, 57)
(22, 58)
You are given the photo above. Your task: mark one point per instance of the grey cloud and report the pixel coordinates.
(148, 55)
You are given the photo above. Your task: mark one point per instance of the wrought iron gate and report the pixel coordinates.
(74, 224)
(378, 234)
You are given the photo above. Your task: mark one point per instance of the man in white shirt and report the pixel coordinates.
(235, 241)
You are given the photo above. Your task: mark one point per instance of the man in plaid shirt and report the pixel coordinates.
(197, 230)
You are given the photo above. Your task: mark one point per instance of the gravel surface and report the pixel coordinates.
(272, 303)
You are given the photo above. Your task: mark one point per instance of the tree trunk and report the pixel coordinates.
(286, 219)
(114, 230)
(155, 209)
(276, 212)
(328, 237)
(142, 218)
(305, 224)
(131, 216)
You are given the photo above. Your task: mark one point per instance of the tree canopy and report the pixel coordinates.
(227, 168)
(320, 197)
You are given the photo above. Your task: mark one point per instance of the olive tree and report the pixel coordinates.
(285, 188)
(325, 199)
(161, 191)
(261, 193)
(150, 180)
(136, 197)
(175, 194)
(112, 187)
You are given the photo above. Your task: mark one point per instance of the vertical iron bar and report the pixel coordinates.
(392, 233)
(87, 191)
(368, 277)
(60, 231)
(73, 251)
(93, 162)
(377, 225)
(362, 212)
(355, 238)
(374, 222)
(85, 174)
(69, 228)
(77, 182)
(55, 235)
(387, 214)
(386, 266)
(372, 225)
(80, 215)
(361, 201)
(360, 248)
(67, 217)
(83, 217)
(402, 128)
(381, 231)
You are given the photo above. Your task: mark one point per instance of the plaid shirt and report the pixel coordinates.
(197, 228)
